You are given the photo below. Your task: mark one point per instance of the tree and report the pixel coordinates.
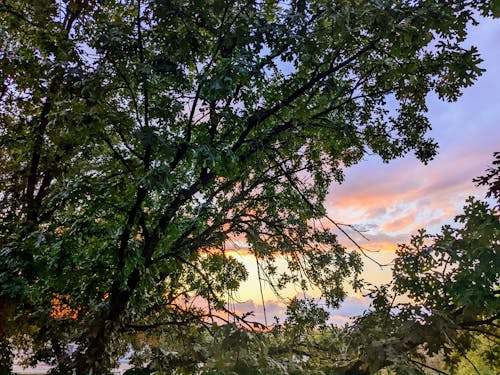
(452, 282)
(139, 137)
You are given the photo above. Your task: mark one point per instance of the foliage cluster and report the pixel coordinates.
(451, 280)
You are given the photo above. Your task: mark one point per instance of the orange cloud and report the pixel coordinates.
(369, 195)
(404, 222)
(381, 246)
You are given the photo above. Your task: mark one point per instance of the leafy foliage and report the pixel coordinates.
(229, 349)
(138, 139)
(452, 280)
(492, 179)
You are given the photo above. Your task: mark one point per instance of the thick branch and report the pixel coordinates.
(264, 114)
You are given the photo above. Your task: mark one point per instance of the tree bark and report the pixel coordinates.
(6, 355)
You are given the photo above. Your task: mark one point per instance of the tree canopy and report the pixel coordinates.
(140, 138)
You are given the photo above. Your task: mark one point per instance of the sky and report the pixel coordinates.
(392, 201)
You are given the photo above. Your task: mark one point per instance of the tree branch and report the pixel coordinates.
(264, 114)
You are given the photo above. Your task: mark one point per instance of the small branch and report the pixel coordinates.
(315, 210)
(489, 321)
(264, 114)
(208, 284)
(148, 327)
(486, 333)
(9, 9)
(260, 288)
(463, 353)
(130, 90)
(118, 155)
(427, 366)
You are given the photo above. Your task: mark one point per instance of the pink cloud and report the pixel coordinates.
(406, 221)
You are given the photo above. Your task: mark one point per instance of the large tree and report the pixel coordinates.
(139, 137)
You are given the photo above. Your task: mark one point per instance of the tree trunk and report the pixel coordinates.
(91, 356)
(6, 355)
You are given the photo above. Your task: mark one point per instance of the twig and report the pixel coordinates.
(427, 366)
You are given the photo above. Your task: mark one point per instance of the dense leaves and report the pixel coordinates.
(141, 138)
(439, 313)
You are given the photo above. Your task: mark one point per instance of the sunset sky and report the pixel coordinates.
(391, 201)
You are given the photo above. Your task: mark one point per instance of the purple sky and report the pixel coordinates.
(391, 201)
(395, 199)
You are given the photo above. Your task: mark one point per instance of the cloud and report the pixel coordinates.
(406, 195)
(352, 306)
(403, 222)
(391, 201)
(261, 313)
